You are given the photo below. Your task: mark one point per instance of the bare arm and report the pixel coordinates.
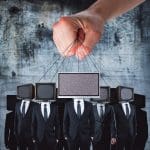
(109, 9)
(86, 27)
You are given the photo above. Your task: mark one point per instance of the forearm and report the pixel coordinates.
(108, 9)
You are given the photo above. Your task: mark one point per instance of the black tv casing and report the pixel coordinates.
(139, 100)
(45, 98)
(11, 102)
(119, 90)
(30, 94)
(102, 99)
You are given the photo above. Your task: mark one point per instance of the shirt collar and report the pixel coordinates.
(100, 104)
(124, 103)
(81, 100)
(27, 101)
(43, 103)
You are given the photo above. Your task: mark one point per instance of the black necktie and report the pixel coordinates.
(79, 109)
(101, 111)
(45, 112)
(23, 109)
(127, 110)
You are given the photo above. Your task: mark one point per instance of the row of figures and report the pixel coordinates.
(111, 122)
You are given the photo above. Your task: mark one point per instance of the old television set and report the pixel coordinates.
(139, 100)
(113, 95)
(104, 94)
(25, 91)
(11, 102)
(78, 85)
(125, 93)
(45, 91)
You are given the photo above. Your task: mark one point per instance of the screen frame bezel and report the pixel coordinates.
(42, 83)
(79, 96)
(33, 91)
(119, 93)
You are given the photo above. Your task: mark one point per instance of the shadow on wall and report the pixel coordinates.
(71, 4)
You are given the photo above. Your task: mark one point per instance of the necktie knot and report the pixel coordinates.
(45, 106)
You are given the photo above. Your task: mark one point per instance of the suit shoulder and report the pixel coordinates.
(68, 103)
(18, 103)
(88, 103)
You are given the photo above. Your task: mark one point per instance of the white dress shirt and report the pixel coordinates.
(124, 107)
(98, 108)
(47, 106)
(81, 104)
(27, 103)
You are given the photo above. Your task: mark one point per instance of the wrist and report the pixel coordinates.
(99, 9)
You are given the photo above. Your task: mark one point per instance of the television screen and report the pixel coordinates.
(45, 91)
(104, 94)
(11, 102)
(125, 93)
(78, 85)
(25, 91)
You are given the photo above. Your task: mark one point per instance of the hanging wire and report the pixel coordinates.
(57, 70)
(49, 69)
(70, 45)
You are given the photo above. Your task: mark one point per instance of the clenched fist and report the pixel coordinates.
(77, 34)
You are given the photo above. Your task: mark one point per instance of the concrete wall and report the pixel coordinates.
(27, 50)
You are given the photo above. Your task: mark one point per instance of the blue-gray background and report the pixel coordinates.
(27, 50)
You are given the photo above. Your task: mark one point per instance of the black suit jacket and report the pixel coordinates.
(142, 129)
(105, 127)
(22, 125)
(73, 125)
(41, 128)
(10, 139)
(125, 127)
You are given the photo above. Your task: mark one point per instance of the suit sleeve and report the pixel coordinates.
(113, 124)
(16, 121)
(6, 131)
(66, 122)
(33, 123)
(57, 123)
(92, 122)
(135, 122)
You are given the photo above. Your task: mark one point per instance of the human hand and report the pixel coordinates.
(113, 141)
(77, 34)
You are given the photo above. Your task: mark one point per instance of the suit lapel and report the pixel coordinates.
(121, 110)
(72, 110)
(96, 113)
(85, 109)
(132, 111)
(19, 108)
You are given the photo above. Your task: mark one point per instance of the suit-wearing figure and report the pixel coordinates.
(22, 124)
(105, 128)
(126, 125)
(142, 129)
(62, 144)
(10, 139)
(45, 129)
(78, 124)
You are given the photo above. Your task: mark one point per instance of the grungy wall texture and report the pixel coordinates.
(27, 50)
